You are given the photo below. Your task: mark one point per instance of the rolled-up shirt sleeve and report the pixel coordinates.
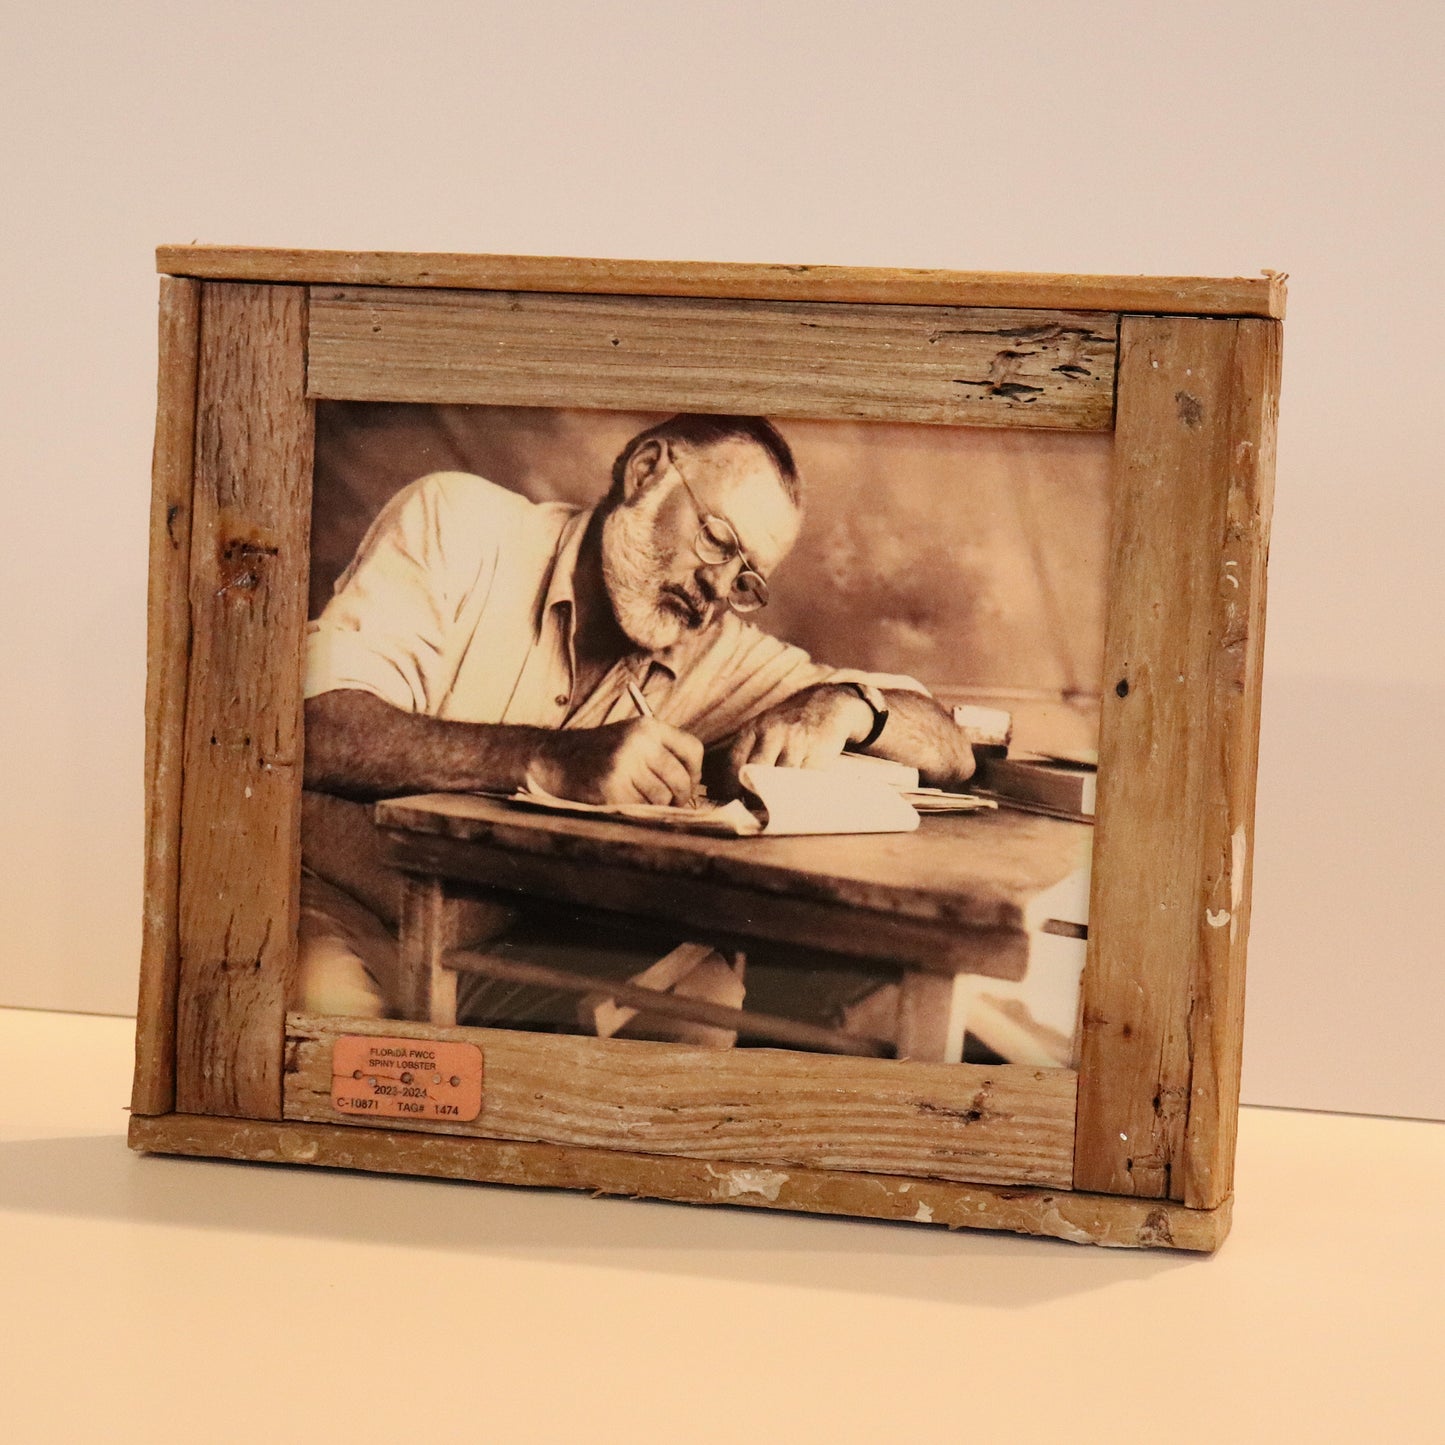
(884, 681)
(389, 626)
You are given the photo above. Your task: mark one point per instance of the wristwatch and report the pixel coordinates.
(875, 699)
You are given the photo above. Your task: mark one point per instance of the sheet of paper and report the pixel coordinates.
(730, 820)
(935, 800)
(812, 800)
(780, 802)
(884, 770)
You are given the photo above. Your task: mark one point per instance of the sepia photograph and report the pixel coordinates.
(716, 729)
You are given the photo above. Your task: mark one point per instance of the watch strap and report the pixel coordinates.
(875, 701)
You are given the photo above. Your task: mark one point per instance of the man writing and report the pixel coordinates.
(480, 642)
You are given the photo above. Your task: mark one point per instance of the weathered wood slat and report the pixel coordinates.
(934, 364)
(240, 834)
(1079, 1218)
(168, 640)
(1216, 1024)
(1179, 715)
(1262, 295)
(1003, 1124)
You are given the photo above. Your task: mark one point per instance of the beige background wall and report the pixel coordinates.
(1116, 137)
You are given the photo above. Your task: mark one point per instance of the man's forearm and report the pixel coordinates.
(361, 747)
(812, 727)
(920, 733)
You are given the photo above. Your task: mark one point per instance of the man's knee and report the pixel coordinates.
(346, 956)
(332, 979)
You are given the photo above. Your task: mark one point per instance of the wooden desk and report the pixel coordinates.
(960, 896)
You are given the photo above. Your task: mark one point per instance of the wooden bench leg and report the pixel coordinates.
(427, 989)
(434, 919)
(932, 1016)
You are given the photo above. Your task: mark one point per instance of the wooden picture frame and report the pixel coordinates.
(1136, 1146)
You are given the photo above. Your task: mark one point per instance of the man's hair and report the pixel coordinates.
(694, 429)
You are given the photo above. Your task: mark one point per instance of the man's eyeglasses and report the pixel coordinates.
(717, 543)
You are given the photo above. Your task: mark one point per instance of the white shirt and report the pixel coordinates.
(459, 604)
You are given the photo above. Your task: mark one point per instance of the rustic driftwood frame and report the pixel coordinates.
(1136, 1147)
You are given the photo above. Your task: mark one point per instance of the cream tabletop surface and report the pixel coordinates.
(165, 1299)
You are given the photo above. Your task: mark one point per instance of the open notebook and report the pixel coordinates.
(856, 794)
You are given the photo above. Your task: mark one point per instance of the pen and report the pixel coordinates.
(638, 701)
(642, 706)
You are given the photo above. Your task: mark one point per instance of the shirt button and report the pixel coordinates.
(561, 699)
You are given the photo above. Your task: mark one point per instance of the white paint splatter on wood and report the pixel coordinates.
(737, 1182)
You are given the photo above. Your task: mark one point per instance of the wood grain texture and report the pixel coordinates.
(979, 870)
(1177, 727)
(928, 364)
(1216, 1024)
(168, 641)
(1079, 1218)
(240, 833)
(729, 914)
(1262, 295)
(770, 1107)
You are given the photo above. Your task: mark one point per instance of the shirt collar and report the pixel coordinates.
(562, 582)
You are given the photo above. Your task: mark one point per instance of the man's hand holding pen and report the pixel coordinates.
(639, 761)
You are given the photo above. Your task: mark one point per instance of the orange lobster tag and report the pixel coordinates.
(428, 1079)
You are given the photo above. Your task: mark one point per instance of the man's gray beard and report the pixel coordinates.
(632, 563)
